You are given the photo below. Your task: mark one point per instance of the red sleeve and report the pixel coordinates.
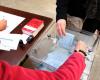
(70, 70)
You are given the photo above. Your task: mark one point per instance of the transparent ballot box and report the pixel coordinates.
(52, 51)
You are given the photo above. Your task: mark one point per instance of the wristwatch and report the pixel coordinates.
(81, 52)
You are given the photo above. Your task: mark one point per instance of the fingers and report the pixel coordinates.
(3, 24)
(63, 29)
(61, 24)
(81, 46)
(59, 30)
(3, 21)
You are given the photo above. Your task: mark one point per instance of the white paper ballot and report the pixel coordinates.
(9, 41)
(12, 21)
(67, 41)
(3, 44)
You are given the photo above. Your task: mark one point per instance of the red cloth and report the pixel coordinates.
(70, 70)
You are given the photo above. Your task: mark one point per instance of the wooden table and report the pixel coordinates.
(14, 57)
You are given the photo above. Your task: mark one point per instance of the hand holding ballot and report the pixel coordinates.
(3, 24)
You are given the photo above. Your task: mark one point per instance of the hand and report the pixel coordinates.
(61, 25)
(81, 46)
(3, 24)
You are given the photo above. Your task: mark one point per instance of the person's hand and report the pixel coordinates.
(3, 24)
(61, 25)
(81, 46)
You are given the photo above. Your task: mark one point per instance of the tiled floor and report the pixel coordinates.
(47, 8)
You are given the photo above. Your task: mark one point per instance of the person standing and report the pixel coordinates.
(87, 10)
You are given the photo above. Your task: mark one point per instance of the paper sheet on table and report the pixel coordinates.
(9, 41)
(3, 44)
(12, 21)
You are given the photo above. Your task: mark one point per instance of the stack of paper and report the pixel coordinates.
(10, 41)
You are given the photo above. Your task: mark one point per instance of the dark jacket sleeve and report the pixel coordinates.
(61, 9)
(71, 70)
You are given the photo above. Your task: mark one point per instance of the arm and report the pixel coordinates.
(61, 16)
(70, 70)
(61, 10)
